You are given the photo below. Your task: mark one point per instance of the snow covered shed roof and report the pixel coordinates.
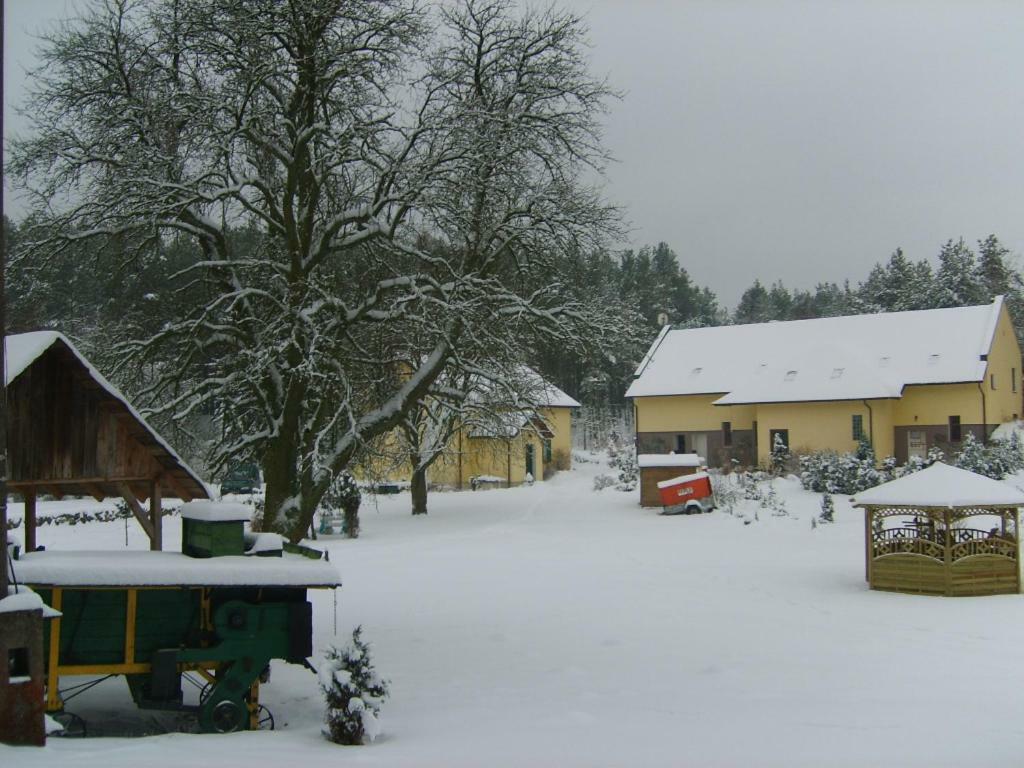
(941, 485)
(154, 569)
(75, 433)
(648, 460)
(215, 511)
(832, 358)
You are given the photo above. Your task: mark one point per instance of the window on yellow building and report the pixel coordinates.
(858, 426)
(680, 443)
(1013, 379)
(726, 433)
(992, 381)
(955, 432)
(547, 451)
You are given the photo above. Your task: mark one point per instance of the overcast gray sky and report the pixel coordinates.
(800, 141)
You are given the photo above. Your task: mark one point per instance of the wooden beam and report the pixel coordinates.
(156, 513)
(55, 481)
(95, 491)
(180, 490)
(30, 520)
(136, 508)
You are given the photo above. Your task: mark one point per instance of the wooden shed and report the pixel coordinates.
(656, 467)
(71, 432)
(942, 531)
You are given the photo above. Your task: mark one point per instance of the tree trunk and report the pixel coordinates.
(419, 491)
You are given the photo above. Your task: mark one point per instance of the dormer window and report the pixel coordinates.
(933, 359)
(883, 362)
(790, 375)
(696, 371)
(837, 373)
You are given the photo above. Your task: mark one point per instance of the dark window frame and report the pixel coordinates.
(857, 426)
(727, 434)
(680, 443)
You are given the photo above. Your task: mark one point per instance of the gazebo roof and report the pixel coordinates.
(941, 485)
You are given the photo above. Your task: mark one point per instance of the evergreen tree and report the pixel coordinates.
(354, 692)
(780, 301)
(780, 456)
(754, 307)
(828, 509)
(957, 282)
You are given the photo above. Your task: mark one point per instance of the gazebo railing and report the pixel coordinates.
(908, 540)
(932, 542)
(971, 541)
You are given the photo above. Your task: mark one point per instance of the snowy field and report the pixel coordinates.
(556, 626)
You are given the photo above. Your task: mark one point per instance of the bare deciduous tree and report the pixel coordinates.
(282, 139)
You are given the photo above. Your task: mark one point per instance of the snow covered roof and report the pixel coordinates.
(216, 511)
(157, 569)
(23, 349)
(647, 460)
(941, 485)
(831, 358)
(553, 397)
(22, 598)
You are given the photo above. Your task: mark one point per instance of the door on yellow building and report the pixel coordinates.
(917, 444)
(699, 445)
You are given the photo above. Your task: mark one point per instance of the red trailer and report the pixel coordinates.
(688, 494)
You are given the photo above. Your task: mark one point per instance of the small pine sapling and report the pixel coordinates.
(354, 692)
(828, 509)
(780, 456)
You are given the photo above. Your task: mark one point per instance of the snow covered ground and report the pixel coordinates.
(557, 626)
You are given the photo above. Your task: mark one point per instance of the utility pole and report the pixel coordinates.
(3, 336)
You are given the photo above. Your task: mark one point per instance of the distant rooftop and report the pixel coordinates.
(832, 358)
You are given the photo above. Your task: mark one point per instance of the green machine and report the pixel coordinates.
(223, 608)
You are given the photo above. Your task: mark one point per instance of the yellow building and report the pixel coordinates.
(535, 444)
(499, 448)
(905, 381)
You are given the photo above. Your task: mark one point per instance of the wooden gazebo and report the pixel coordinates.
(71, 432)
(943, 531)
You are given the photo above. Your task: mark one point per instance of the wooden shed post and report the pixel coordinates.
(156, 540)
(30, 519)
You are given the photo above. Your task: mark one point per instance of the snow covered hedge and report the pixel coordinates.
(846, 473)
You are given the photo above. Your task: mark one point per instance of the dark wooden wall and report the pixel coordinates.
(63, 426)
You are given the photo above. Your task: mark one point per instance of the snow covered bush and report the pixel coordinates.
(354, 692)
(758, 486)
(629, 471)
(997, 459)
(831, 472)
(603, 481)
(828, 509)
(726, 490)
(344, 494)
(916, 463)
